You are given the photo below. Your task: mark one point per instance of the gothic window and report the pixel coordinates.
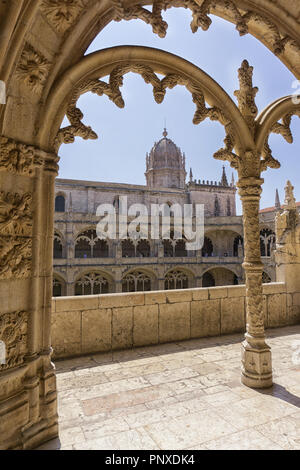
(238, 242)
(208, 280)
(136, 282)
(56, 288)
(143, 249)
(100, 249)
(180, 248)
(266, 278)
(267, 242)
(208, 248)
(60, 204)
(57, 247)
(228, 207)
(88, 245)
(168, 249)
(176, 280)
(128, 249)
(217, 207)
(92, 284)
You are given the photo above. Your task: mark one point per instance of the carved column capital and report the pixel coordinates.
(23, 159)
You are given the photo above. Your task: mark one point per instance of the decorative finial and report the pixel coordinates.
(165, 133)
(246, 94)
(191, 175)
(290, 201)
(277, 201)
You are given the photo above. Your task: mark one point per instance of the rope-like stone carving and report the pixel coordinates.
(112, 91)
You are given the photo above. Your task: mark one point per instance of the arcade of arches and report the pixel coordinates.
(45, 75)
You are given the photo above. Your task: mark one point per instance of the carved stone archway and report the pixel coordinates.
(28, 173)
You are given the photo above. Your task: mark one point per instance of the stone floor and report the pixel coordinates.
(184, 395)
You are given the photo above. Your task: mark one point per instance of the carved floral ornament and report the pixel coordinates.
(13, 334)
(62, 14)
(33, 69)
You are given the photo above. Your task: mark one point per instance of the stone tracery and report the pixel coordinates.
(112, 91)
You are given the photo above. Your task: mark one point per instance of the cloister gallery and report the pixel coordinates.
(45, 75)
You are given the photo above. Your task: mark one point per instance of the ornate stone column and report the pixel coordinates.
(28, 409)
(256, 354)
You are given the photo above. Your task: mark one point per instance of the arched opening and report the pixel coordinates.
(60, 204)
(238, 246)
(57, 287)
(176, 279)
(92, 283)
(57, 247)
(208, 280)
(168, 249)
(180, 249)
(100, 249)
(207, 249)
(216, 277)
(267, 242)
(276, 36)
(128, 249)
(136, 281)
(88, 245)
(143, 249)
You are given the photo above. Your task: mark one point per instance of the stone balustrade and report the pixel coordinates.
(91, 324)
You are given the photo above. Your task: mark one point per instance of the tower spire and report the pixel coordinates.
(224, 181)
(277, 201)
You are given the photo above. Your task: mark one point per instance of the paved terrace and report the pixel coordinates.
(183, 395)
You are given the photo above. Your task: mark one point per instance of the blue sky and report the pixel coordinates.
(125, 135)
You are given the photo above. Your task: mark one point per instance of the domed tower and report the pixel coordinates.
(165, 165)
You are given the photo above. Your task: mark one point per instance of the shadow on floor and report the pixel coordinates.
(282, 393)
